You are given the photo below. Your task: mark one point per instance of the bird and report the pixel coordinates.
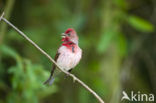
(68, 54)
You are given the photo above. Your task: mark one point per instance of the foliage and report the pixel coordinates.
(26, 79)
(117, 38)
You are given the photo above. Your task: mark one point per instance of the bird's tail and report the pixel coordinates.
(52, 77)
(50, 80)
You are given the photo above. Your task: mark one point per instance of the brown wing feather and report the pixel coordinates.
(53, 69)
(54, 66)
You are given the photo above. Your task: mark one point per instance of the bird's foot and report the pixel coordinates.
(74, 79)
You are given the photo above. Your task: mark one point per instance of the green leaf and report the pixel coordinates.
(8, 51)
(122, 44)
(105, 40)
(121, 3)
(140, 24)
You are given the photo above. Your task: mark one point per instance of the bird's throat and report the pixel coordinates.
(70, 45)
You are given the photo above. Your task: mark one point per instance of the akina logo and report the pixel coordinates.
(137, 96)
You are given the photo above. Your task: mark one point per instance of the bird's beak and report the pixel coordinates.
(63, 35)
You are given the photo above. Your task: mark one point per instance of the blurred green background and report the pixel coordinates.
(118, 39)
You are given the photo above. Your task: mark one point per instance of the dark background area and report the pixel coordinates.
(118, 39)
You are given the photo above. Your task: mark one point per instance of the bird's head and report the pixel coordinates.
(70, 35)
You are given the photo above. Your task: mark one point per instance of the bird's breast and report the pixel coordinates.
(67, 58)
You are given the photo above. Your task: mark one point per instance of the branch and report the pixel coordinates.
(52, 60)
(1, 16)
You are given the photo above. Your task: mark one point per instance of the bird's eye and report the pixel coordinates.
(68, 34)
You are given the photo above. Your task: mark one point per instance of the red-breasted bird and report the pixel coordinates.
(68, 54)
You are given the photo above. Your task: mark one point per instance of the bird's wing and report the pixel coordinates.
(54, 66)
(51, 79)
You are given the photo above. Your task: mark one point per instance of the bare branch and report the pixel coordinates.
(1, 16)
(52, 60)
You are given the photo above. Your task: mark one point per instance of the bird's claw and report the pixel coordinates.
(74, 79)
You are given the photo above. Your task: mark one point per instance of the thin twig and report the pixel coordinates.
(1, 16)
(52, 60)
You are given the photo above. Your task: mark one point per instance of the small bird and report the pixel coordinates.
(68, 54)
